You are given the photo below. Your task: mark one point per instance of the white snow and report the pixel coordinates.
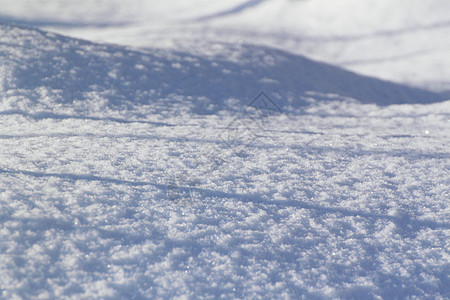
(138, 170)
(404, 41)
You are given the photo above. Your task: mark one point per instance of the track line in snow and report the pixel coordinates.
(404, 56)
(49, 115)
(237, 9)
(76, 177)
(404, 221)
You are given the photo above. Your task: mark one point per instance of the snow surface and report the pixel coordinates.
(401, 40)
(196, 167)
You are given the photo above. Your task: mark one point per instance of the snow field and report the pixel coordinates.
(403, 41)
(319, 206)
(140, 173)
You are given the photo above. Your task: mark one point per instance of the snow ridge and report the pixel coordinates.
(110, 186)
(37, 64)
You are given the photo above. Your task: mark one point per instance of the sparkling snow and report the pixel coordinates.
(213, 168)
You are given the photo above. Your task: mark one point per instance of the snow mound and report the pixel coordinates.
(44, 70)
(397, 40)
(116, 182)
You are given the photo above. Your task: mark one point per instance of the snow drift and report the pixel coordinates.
(36, 63)
(344, 200)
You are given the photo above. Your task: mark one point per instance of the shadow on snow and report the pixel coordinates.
(403, 221)
(76, 70)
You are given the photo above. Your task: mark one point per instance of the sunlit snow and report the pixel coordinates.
(207, 149)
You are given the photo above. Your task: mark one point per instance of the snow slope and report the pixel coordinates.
(141, 173)
(399, 40)
(78, 72)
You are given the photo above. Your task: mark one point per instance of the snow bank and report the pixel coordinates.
(402, 41)
(117, 181)
(47, 71)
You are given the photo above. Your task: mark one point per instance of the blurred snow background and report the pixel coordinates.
(401, 40)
